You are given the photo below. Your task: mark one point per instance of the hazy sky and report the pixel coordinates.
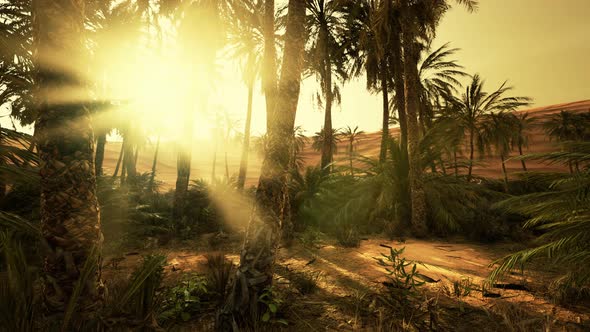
(542, 47)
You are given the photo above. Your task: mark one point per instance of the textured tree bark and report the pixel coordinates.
(70, 219)
(471, 152)
(101, 142)
(119, 160)
(398, 80)
(417, 194)
(269, 68)
(155, 163)
(327, 153)
(246, 145)
(128, 161)
(504, 173)
(385, 119)
(522, 162)
(271, 214)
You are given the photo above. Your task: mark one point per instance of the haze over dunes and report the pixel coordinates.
(202, 163)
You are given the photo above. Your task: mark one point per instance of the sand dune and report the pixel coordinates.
(202, 163)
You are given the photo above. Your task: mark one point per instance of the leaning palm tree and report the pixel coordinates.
(70, 218)
(255, 271)
(475, 103)
(352, 136)
(439, 80)
(247, 46)
(326, 57)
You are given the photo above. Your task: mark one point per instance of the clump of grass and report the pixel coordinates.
(219, 271)
(305, 282)
(348, 236)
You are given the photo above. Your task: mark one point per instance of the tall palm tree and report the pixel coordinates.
(201, 34)
(247, 45)
(70, 218)
(475, 103)
(418, 24)
(255, 271)
(568, 126)
(326, 57)
(371, 47)
(522, 130)
(352, 136)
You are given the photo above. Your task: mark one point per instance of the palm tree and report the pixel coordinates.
(255, 271)
(418, 23)
(247, 40)
(371, 46)
(497, 131)
(352, 136)
(326, 57)
(319, 141)
(523, 126)
(568, 126)
(70, 218)
(561, 213)
(475, 103)
(201, 35)
(439, 81)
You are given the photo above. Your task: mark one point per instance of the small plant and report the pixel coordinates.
(305, 282)
(219, 270)
(403, 274)
(348, 236)
(185, 300)
(272, 303)
(310, 237)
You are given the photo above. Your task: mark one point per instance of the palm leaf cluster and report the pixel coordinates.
(561, 213)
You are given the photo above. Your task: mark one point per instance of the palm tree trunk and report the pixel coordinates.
(100, 146)
(246, 145)
(417, 194)
(70, 218)
(350, 154)
(269, 68)
(442, 165)
(155, 163)
(226, 167)
(455, 161)
(385, 119)
(327, 153)
(471, 152)
(214, 160)
(398, 83)
(129, 159)
(255, 271)
(522, 160)
(504, 173)
(121, 153)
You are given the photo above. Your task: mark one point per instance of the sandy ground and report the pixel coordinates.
(202, 163)
(347, 274)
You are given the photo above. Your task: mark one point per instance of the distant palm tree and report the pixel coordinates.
(568, 126)
(522, 130)
(352, 136)
(319, 140)
(475, 103)
(70, 218)
(326, 57)
(497, 131)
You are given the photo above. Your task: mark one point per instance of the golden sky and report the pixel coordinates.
(542, 47)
